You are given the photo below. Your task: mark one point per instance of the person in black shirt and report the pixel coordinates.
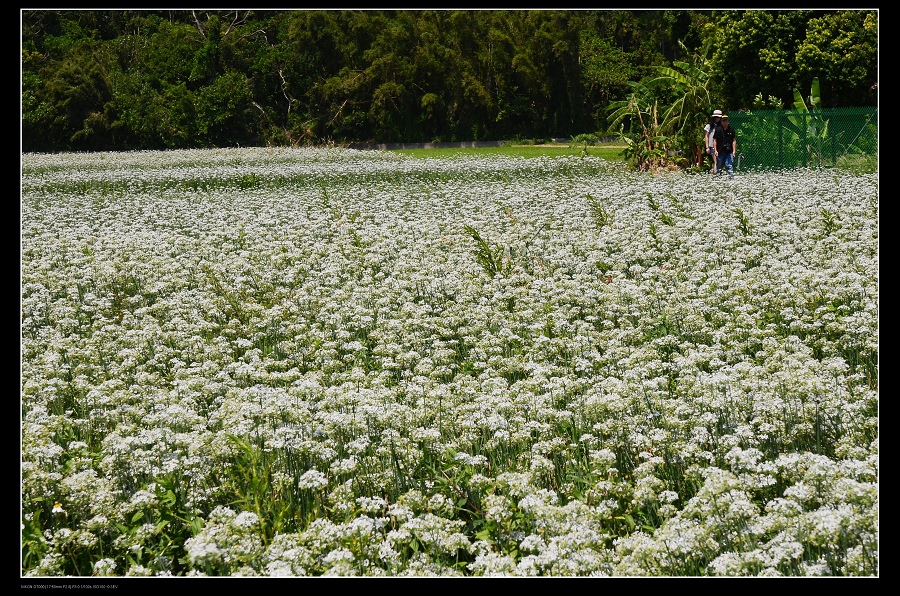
(725, 140)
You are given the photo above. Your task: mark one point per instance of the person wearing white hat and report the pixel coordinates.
(708, 133)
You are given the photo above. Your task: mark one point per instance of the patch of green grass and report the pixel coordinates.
(611, 151)
(858, 163)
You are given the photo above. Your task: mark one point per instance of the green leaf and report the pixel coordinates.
(628, 520)
(196, 525)
(798, 101)
(484, 535)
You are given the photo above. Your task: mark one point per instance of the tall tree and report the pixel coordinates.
(841, 49)
(754, 53)
(605, 72)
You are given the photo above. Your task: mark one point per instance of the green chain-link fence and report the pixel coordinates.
(779, 139)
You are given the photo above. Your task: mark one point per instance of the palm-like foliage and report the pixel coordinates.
(624, 111)
(684, 118)
(680, 122)
(647, 146)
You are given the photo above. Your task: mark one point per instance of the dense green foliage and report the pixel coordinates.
(163, 79)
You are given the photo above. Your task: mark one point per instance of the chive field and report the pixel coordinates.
(308, 362)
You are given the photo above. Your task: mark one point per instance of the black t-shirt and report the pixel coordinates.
(724, 138)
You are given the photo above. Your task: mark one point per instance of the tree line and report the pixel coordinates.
(168, 79)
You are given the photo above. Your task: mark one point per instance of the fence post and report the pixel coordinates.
(780, 140)
(804, 143)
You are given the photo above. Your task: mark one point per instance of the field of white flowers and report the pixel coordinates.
(289, 362)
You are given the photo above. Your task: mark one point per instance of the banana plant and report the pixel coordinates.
(810, 128)
(673, 133)
(686, 116)
(815, 98)
(647, 147)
